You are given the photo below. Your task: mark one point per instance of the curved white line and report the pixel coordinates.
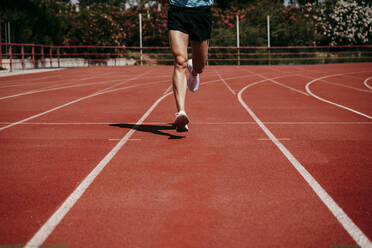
(327, 101)
(43, 233)
(276, 82)
(360, 238)
(366, 84)
(347, 86)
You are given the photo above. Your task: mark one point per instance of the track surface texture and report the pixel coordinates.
(276, 156)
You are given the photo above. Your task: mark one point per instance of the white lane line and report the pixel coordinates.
(346, 86)
(291, 88)
(72, 102)
(196, 123)
(226, 84)
(267, 139)
(35, 80)
(359, 237)
(280, 84)
(338, 84)
(261, 81)
(218, 80)
(10, 74)
(49, 89)
(43, 233)
(330, 102)
(168, 89)
(72, 86)
(127, 80)
(366, 83)
(46, 84)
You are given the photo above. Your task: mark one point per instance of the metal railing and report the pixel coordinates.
(15, 56)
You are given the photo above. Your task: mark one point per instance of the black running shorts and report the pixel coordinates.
(196, 22)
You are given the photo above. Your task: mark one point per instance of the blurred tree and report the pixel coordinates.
(303, 2)
(225, 4)
(35, 21)
(117, 3)
(365, 2)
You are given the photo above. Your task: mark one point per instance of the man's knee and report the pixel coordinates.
(180, 62)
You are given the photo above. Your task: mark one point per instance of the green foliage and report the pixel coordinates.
(288, 27)
(35, 21)
(117, 3)
(108, 22)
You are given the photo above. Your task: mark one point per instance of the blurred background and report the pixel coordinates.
(115, 22)
(237, 23)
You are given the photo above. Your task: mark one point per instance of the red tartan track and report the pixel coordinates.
(267, 165)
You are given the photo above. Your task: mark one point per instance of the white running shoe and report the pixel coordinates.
(193, 81)
(181, 122)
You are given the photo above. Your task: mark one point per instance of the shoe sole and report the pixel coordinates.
(181, 122)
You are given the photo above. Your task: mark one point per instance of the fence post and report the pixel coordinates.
(59, 64)
(140, 34)
(42, 57)
(238, 37)
(1, 49)
(50, 56)
(33, 56)
(268, 40)
(23, 57)
(10, 58)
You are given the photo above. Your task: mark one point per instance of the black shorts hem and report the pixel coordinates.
(196, 22)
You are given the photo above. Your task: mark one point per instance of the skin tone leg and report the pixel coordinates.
(179, 42)
(199, 55)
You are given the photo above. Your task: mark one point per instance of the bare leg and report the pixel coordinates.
(179, 42)
(199, 55)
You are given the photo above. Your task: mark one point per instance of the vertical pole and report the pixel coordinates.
(140, 33)
(268, 32)
(10, 58)
(50, 56)
(6, 37)
(1, 47)
(33, 56)
(23, 57)
(9, 33)
(238, 38)
(59, 64)
(42, 57)
(268, 39)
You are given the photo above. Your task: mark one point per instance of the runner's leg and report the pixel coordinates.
(179, 42)
(199, 55)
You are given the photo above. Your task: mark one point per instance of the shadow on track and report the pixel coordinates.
(155, 129)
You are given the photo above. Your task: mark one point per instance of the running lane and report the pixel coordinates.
(332, 143)
(222, 184)
(21, 107)
(43, 160)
